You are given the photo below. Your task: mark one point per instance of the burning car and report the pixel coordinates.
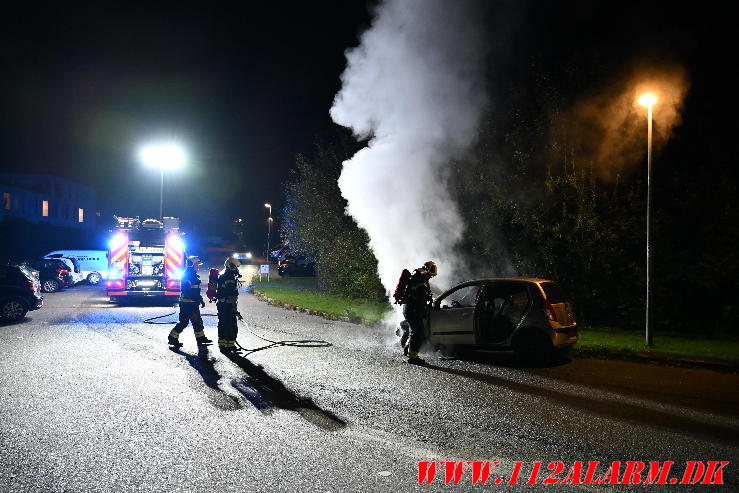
(528, 315)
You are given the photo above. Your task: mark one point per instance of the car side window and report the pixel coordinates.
(516, 305)
(464, 297)
(506, 301)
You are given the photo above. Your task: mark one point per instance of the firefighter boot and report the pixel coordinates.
(201, 339)
(230, 350)
(227, 347)
(172, 341)
(174, 337)
(415, 360)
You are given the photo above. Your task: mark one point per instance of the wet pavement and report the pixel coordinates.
(92, 399)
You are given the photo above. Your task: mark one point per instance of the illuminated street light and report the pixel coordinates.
(163, 156)
(649, 100)
(269, 228)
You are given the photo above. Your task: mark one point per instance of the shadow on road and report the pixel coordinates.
(204, 364)
(507, 359)
(274, 393)
(605, 407)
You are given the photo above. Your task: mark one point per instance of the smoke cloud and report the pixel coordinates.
(608, 128)
(415, 88)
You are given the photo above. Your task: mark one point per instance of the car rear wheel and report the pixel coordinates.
(13, 310)
(50, 286)
(94, 278)
(532, 346)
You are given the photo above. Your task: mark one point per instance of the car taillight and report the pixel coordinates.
(62, 271)
(283, 265)
(115, 284)
(549, 310)
(29, 285)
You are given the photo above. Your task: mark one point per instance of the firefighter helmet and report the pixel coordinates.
(430, 267)
(193, 260)
(232, 263)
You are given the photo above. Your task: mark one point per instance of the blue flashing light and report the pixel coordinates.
(176, 242)
(176, 274)
(116, 241)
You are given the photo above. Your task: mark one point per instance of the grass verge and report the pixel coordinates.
(305, 292)
(607, 339)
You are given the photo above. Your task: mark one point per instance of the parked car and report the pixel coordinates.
(20, 291)
(53, 274)
(93, 264)
(296, 267)
(74, 269)
(528, 315)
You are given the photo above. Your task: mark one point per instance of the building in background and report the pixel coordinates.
(47, 199)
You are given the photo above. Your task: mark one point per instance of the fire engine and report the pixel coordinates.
(145, 258)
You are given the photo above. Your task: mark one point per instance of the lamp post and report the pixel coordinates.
(162, 156)
(649, 100)
(269, 228)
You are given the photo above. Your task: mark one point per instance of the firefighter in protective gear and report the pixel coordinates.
(227, 294)
(190, 302)
(415, 309)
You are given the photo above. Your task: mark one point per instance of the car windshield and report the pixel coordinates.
(552, 292)
(463, 297)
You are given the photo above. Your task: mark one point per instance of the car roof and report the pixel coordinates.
(520, 279)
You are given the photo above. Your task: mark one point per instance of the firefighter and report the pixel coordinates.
(227, 294)
(415, 308)
(190, 302)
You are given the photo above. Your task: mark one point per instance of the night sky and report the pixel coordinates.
(247, 86)
(244, 89)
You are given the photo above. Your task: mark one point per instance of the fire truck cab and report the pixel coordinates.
(145, 258)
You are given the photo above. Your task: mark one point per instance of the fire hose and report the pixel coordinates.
(305, 343)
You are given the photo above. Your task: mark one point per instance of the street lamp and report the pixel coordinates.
(162, 156)
(649, 100)
(269, 228)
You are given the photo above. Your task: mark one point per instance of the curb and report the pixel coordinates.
(660, 359)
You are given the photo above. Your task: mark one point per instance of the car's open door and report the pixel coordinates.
(452, 317)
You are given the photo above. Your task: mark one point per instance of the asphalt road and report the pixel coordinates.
(92, 399)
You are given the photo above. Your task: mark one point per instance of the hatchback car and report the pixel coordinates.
(530, 316)
(20, 291)
(73, 266)
(53, 274)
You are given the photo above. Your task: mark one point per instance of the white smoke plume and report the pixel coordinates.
(415, 88)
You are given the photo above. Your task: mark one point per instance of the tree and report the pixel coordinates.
(315, 223)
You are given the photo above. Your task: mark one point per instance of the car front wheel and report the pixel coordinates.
(94, 278)
(13, 310)
(50, 286)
